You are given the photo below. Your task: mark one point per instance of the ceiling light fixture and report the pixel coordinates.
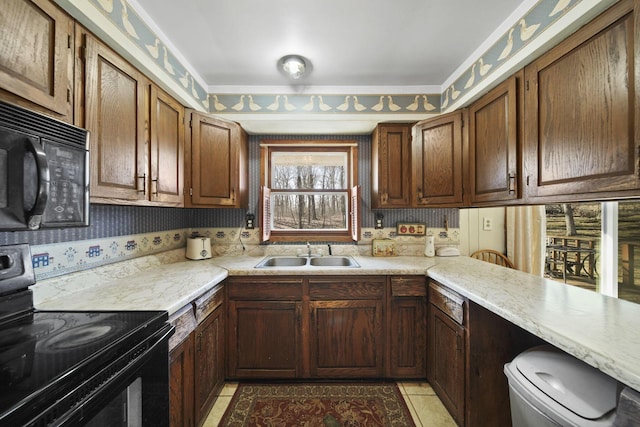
(294, 66)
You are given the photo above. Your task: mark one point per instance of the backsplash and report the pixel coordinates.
(56, 259)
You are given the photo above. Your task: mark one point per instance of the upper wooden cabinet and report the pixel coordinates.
(437, 161)
(582, 111)
(495, 146)
(115, 102)
(216, 170)
(36, 59)
(136, 131)
(166, 149)
(391, 166)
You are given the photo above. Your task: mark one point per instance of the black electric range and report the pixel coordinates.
(76, 367)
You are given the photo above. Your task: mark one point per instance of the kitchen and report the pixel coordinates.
(140, 227)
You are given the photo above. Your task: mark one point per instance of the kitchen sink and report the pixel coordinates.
(333, 261)
(282, 261)
(292, 261)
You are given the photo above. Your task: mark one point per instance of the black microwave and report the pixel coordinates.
(44, 171)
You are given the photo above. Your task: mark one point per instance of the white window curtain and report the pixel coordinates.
(526, 237)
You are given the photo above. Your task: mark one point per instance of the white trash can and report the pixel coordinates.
(548, 387)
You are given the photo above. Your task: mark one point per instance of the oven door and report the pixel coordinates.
(133, 391)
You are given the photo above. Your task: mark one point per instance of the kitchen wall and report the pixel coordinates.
(117, 233)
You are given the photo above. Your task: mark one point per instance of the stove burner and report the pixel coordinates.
(81, 335)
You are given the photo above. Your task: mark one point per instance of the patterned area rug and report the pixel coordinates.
(317, 405)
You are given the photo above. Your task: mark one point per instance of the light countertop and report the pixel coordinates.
(597, 329)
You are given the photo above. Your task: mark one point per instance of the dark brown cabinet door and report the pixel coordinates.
(391, 166)
(264, 339)
(437, 161)
(115, 117)
(447, 362)
(494, 144)
(346, 339)
(36, 59)
(217, 163)
(209, 363)
(181, 385)
(167, 149)
(582, 112)
(407, 335)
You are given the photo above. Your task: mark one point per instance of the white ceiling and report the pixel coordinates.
(350, 43)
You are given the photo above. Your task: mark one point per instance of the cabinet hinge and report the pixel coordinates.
(526, 85)
(68, 95)
(191, 191)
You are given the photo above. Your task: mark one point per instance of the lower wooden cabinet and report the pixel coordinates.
(196, 365)
(209, 363)
(181, 385)
(468, 348)
(407, 333)
(264, 339)
(446, 370)
(325, 327)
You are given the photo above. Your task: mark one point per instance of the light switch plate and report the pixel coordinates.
(411, 229)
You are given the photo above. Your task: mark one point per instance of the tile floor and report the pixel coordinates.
(424, 405)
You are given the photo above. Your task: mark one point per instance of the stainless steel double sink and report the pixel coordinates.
(306, 261)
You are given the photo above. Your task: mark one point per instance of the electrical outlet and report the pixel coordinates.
(487, 224)
(250, 225)
(378, 224)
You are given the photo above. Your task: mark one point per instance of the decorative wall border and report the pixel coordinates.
(63, 258)
(520, 34)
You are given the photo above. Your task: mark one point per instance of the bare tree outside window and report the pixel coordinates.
(309, 191)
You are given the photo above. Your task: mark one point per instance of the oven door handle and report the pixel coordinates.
(82, 411)
(34, 216)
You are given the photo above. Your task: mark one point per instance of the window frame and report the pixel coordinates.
(352, 233)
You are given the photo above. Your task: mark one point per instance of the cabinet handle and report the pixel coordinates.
(383, 198)
(458, 342)
(233, 195)
(144, 183)
(512, 183)
(420, 195)
(155, 181)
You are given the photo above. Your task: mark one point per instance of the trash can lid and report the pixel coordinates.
(572, 383)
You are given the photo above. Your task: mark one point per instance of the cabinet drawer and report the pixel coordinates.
(347, 288)
(208, 302)
(448, 301)
(408, 286)
(185, 322)
(287, 289)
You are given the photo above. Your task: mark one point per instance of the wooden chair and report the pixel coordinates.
(494, 257)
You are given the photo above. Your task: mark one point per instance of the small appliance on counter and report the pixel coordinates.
(447, 251)
(198, 247)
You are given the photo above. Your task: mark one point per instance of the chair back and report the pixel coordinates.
(494, 257)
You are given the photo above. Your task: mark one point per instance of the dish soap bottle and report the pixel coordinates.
(429, 247)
